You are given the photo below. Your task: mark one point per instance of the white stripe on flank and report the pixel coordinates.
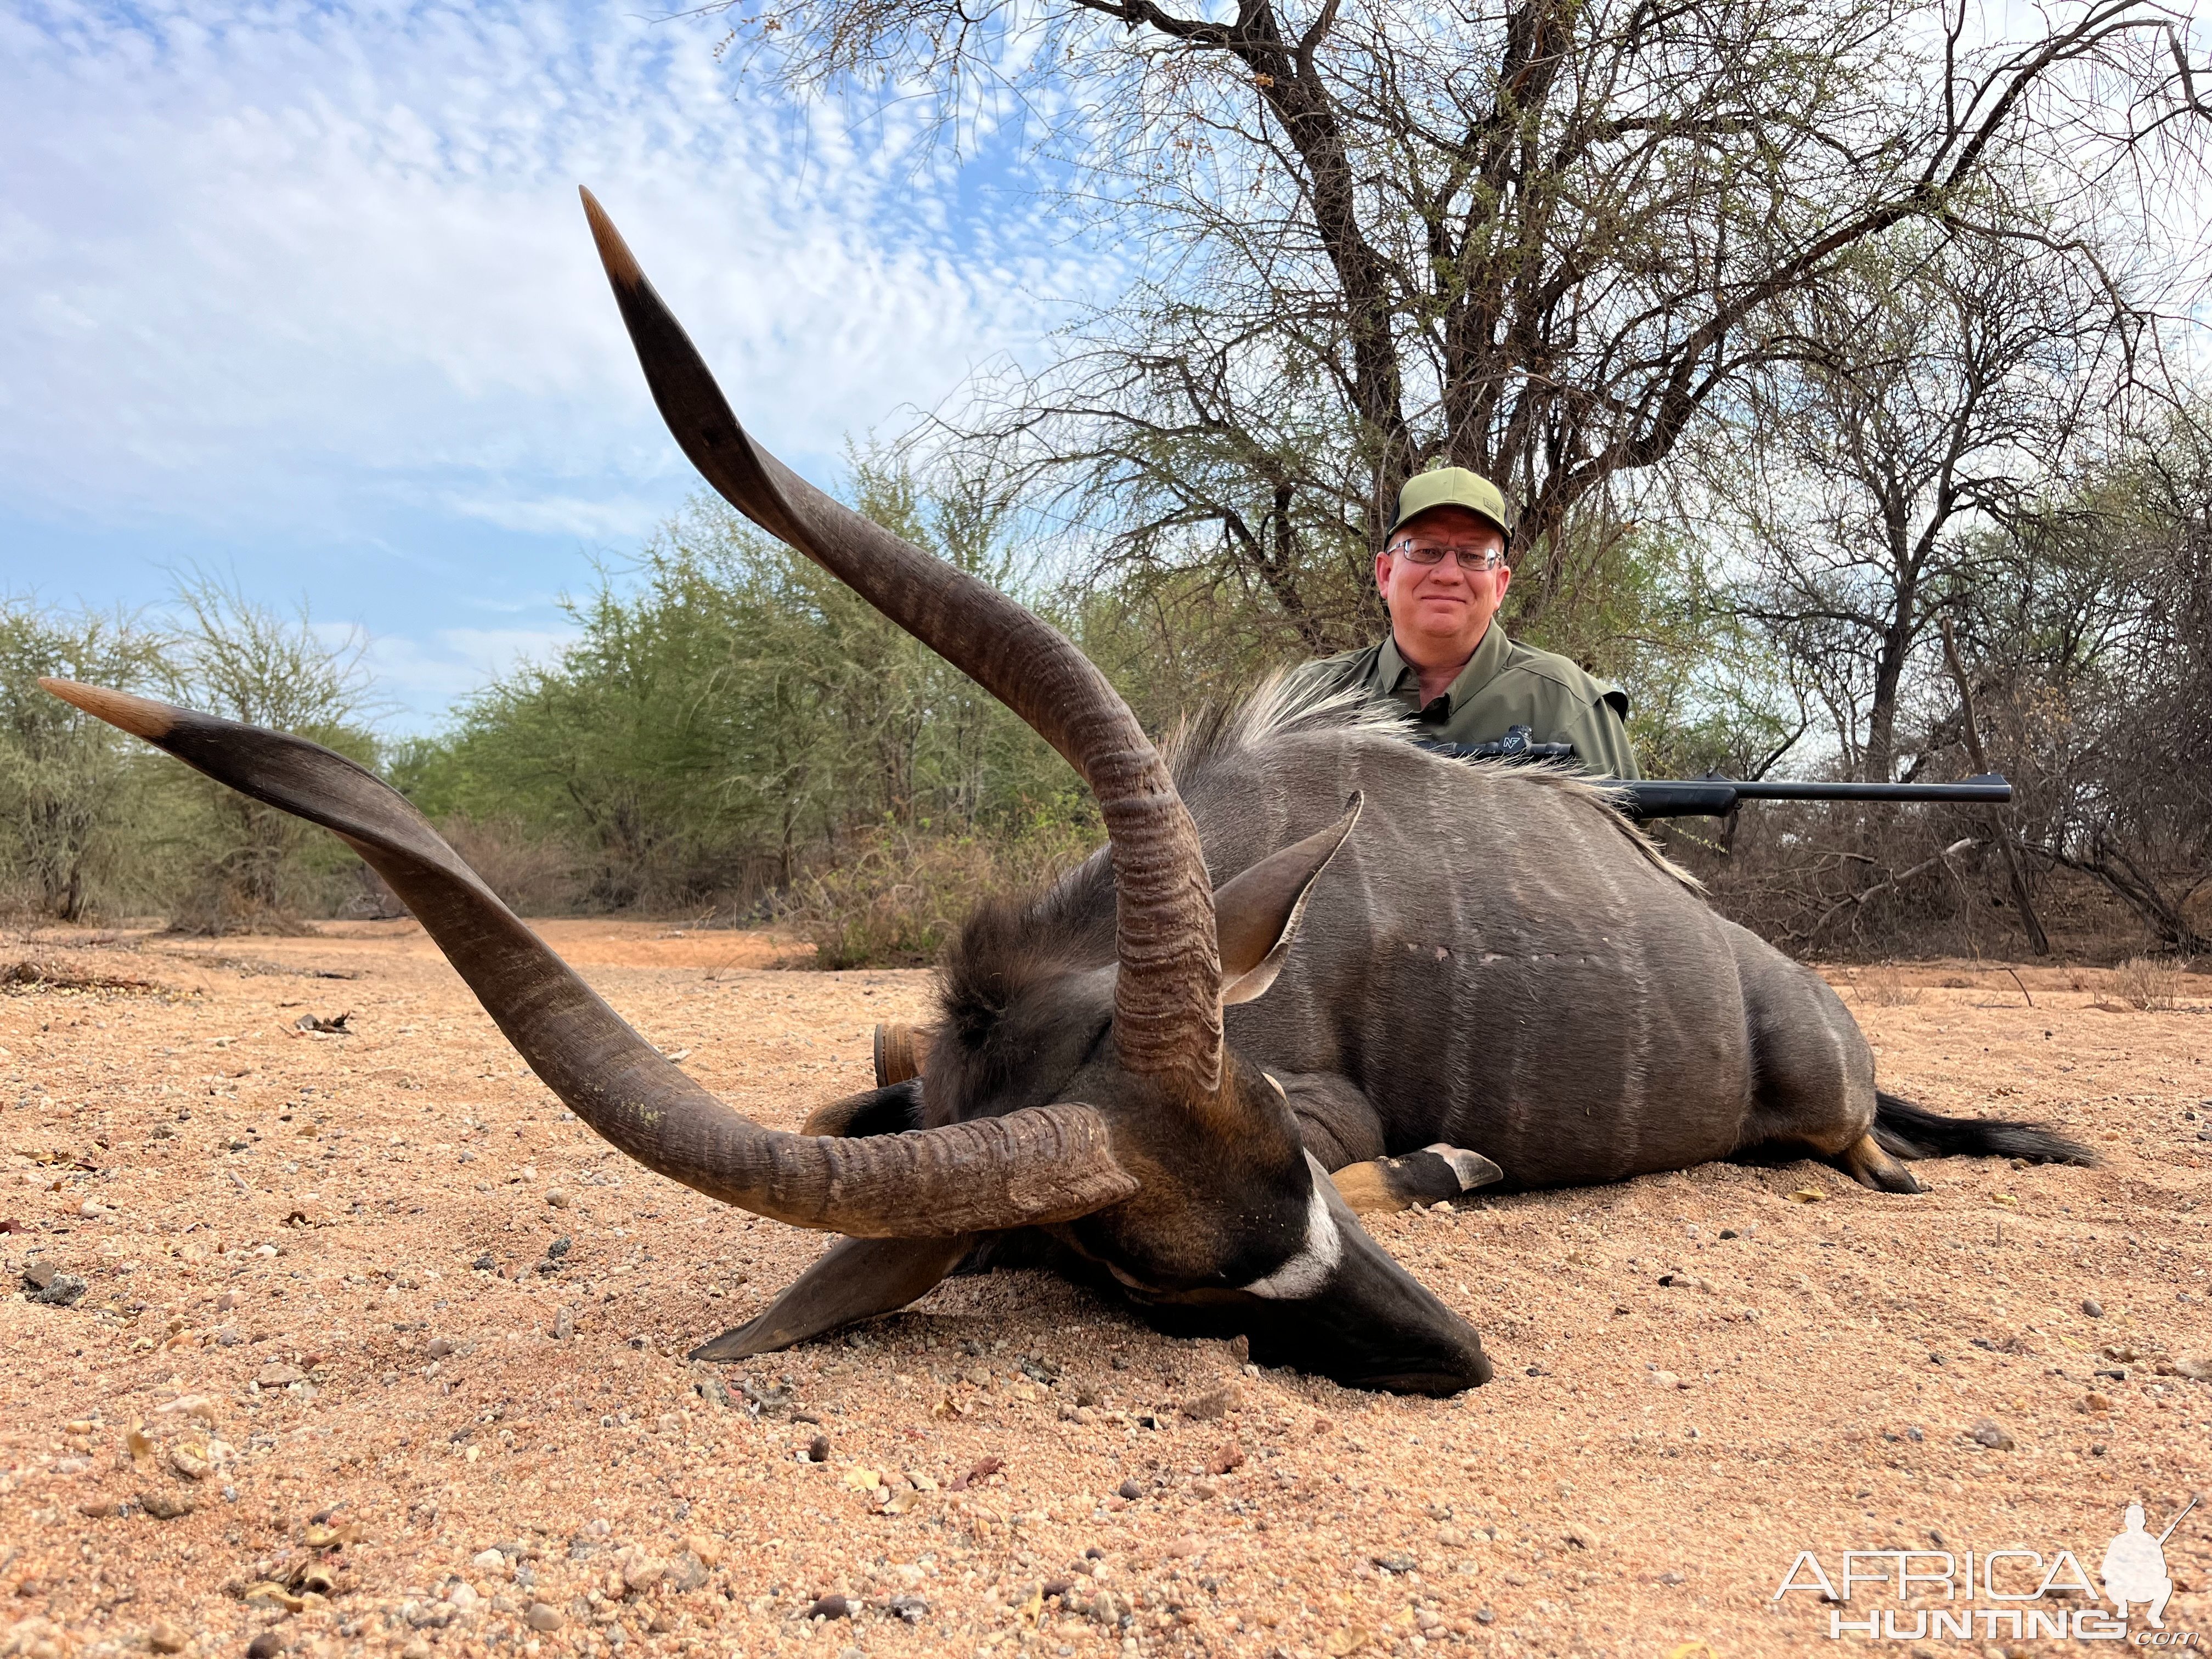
(1304, 1273)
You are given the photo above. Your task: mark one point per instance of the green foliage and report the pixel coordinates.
(68, 793)
(733, 719)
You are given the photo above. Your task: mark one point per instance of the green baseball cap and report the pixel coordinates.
(1452, 486)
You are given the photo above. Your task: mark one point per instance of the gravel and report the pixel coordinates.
(1016, 1433)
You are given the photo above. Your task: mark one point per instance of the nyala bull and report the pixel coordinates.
(1313, 963)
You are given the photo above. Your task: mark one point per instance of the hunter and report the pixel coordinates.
(1442, 574)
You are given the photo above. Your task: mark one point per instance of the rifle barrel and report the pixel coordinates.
(1715, 797)
(2176, 1521)
(1987, 787)
(1680, 798)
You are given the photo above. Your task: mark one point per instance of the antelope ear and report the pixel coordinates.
(1256, 913)
(854, 1278)
(872, 1112)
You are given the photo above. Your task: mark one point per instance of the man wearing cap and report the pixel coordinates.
(1443, 574)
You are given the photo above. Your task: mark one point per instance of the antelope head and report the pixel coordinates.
(1098, 1103)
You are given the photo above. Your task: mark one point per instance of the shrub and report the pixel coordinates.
(69, 795)
(1888, 988)
(2150, 983)
(899, 900)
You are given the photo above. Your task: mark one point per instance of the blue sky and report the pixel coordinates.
(302, 293)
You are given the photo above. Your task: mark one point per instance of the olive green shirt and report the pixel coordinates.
(1505, 685)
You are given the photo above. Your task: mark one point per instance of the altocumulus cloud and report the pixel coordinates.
(305, 289)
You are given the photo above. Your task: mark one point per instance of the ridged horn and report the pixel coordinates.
(1044, 1165)
(1167, 1000)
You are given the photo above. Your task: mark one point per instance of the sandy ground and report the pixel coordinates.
(380, 1351)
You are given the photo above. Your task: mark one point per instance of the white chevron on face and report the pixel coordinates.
(1304, 1273)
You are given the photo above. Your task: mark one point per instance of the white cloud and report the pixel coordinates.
(276, 264)
(304, 291)
(584, 519)
(456, 661)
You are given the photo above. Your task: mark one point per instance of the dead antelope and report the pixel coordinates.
(1151, 1067)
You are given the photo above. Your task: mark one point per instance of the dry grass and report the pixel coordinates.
(1888, 988)
(533, 873)
(2150, 983)
(898, 901)
(31, 974)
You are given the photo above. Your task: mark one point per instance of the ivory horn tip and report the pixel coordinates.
(621, 264)
(142, 717)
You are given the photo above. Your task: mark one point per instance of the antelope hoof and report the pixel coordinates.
(1866, 1163)
(1432, 1176)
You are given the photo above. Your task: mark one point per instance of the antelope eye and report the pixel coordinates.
(1097, 1041)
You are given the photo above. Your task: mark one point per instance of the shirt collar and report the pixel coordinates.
(1398, 676)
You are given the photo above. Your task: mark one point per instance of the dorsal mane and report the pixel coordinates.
(1282, 705)
(1300, 700)
(1013, 942)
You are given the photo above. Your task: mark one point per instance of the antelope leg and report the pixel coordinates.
(1338, 1123)
(855, 1278)
(1428, 1176)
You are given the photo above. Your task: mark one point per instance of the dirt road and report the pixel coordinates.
(355, 1342)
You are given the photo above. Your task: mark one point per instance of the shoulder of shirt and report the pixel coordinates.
(1564, 672)
(1351, 665)
(1346, 659)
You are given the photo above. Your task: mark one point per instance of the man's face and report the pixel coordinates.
(1439, 612)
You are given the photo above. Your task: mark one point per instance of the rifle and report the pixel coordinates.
(1714, 797)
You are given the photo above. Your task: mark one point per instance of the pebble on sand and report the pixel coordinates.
(705, 1547)
(54, 1290)
(546, 1617)
(163, 1637)
(1991, 1433)
(1210, 1406)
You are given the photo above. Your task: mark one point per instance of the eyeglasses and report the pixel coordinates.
(1470, 558)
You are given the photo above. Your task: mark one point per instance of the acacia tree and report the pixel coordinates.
(1533, 237)
(1931, 384)
(66, 790)
(2091, 619)
(229, 656)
